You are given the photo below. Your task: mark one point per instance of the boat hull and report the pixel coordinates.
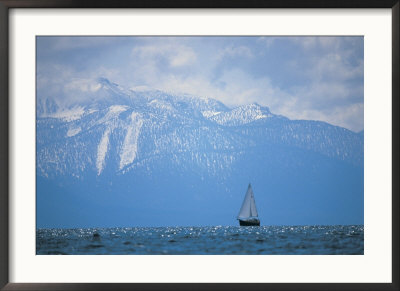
(249, 222)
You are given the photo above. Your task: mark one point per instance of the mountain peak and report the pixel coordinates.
(256, 106)
(104, 81)
(243, 114)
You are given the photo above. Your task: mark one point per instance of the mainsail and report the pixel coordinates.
(248, 208)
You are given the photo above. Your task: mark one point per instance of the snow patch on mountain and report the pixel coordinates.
(113, 112)
(161, 104)
(102, 151)
(130, 145)
(73, 131)
(209, 113)
(242, 115)
(92, 110)
(117, 109)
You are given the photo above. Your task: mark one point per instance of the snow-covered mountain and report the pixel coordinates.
(153, 151)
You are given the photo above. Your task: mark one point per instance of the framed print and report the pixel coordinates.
(209, 146)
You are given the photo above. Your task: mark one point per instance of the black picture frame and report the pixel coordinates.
(6, 5)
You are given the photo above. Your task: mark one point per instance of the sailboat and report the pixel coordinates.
(248, 215)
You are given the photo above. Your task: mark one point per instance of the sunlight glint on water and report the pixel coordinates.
(218, 240)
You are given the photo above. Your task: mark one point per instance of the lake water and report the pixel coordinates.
(218, 240)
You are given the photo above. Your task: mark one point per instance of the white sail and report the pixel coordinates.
(253, 209)
(248, 208)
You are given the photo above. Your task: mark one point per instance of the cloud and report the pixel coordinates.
(300, 77)
(305, 42)
(328, 75)
(238, 88)
(351, 117)
(334, 67)
(233, 52)
(71, 43)
(66, 86)
(82, 85)
(176, 55)
(268, 41)
(330, 43)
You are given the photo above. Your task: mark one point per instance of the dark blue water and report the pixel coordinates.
(218, 240)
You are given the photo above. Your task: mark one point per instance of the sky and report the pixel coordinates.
(314, 78)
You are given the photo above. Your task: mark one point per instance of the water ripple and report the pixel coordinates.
(210, 240)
